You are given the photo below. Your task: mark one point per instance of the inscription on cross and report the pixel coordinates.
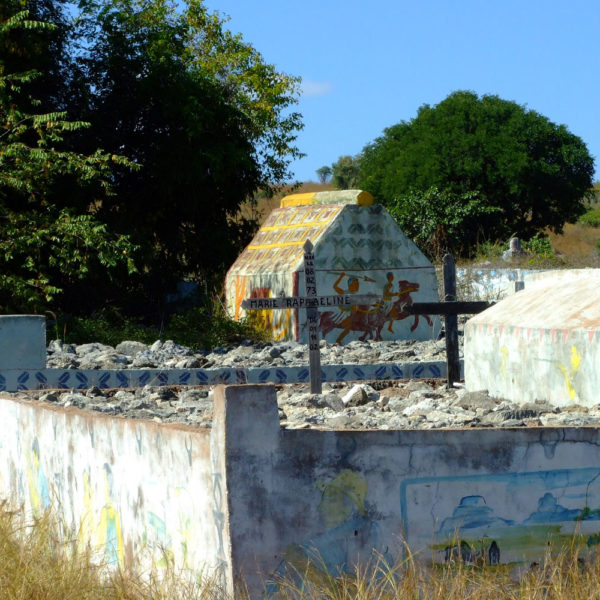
(311, 302)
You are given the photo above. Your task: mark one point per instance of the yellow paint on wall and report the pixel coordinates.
(570, 373)
(575, 359)
(342, 497)
(281, 245)
(295, 226)
(86, 529)
(504, 351)
(109, 533)
(359, 197)
(240, 294)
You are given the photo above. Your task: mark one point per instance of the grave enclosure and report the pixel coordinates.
(249, 500)
(358, 249)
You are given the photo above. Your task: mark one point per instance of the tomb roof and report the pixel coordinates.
(359, 197)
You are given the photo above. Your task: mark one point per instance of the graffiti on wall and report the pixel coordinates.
(39, 493)
(504, 518)
(349, 527)
(109, 532)
(278, 322)
(380, 320)
(370, 320)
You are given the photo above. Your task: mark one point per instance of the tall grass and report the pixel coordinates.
(36, 563)
(565, 576)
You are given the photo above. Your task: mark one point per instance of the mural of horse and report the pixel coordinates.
(370, 320)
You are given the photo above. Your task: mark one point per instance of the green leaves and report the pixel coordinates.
(439, 221)
(531, 173)
(203, 114)
(42, 246)
(344, 172)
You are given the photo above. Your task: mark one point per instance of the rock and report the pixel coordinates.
(131, 348)
(420, 408)
(415, 385)
(123, 397)
(73, 399)
(475, 400)
(95, 391)
(146, 359)
(356, 396)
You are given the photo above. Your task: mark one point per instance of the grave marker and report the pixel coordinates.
(311, 302)
(450, 308)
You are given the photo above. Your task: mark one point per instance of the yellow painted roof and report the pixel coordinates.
(278, 245)
(359, 197)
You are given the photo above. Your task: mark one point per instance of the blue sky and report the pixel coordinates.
(367, 65)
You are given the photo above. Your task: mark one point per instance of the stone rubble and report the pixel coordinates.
(135, 355)
(406, 404)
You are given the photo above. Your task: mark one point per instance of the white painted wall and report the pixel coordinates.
(254, 499)
(132, 489)
(542, 343)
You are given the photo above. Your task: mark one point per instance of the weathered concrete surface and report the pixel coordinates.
(358, 250)
(251, 500)
(542, 343)
(130, 489)
(342, 497)
(22, 342)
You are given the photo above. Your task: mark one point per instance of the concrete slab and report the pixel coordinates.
(22, 342)
(542, 343)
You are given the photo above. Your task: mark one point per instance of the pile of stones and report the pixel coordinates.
(414, 404)
(169, 355)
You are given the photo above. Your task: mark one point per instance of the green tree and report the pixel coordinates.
(44, 247)
(345, 172)
(439, 221)
(324, 173)
(529, 173)
(206, 118)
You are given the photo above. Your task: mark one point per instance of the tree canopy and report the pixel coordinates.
(344, 172)
(45, 247)
(324, 173)
(526, 172)
(206, 120)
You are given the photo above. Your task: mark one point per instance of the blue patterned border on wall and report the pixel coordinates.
(23, 379)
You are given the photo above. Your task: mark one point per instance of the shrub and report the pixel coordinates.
(203, 327)
(591, 218)
(539, 247)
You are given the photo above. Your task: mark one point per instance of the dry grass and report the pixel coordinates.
(261, 206)
(562, 577)
(36, 565)
(578, 242)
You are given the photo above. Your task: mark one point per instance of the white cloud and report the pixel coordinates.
(316, 88)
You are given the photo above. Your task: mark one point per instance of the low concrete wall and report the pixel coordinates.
(129, 489)
(22, 342)
(250, 500)
(13, 380)
(348, 496)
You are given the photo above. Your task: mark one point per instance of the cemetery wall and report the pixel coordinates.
(131, 489)
(255, 499)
